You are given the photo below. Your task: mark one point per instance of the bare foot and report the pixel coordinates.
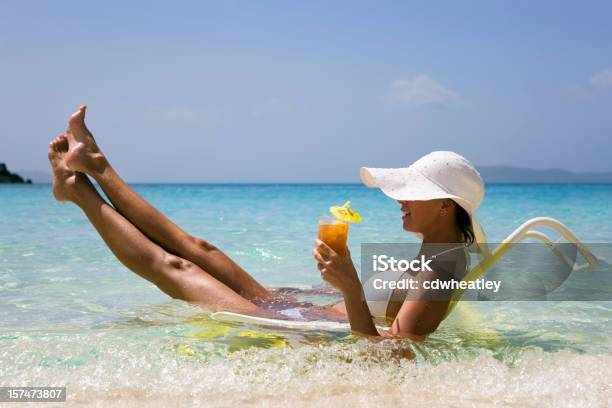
(84, 155)
(63, 178)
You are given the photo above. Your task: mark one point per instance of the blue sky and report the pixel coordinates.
(267, 91)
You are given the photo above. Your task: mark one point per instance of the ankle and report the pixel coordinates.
(79, 188)
(99, 166)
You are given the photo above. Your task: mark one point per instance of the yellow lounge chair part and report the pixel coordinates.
(525, 232)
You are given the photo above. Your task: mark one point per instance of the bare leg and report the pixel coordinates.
(175, 276)
(85, 156)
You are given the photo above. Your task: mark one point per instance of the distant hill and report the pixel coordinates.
(11, 178)
(509, 174)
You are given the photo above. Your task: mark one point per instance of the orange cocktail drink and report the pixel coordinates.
(334, 233)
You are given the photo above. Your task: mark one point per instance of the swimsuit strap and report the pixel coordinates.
(449, 250)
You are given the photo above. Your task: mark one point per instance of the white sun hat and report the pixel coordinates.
(439, 174)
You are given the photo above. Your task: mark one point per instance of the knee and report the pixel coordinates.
(203, 245)
(173, 275)
(173, 263)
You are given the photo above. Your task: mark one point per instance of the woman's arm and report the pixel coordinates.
(358, 312)
(422, 310)
(340, 272)
(416, 318)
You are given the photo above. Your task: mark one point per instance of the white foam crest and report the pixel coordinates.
(98, 369)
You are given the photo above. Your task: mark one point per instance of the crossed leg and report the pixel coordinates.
(176, 276)
(85, 156)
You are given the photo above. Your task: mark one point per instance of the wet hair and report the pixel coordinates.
(464, 223)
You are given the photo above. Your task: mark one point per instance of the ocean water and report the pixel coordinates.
(71, 315)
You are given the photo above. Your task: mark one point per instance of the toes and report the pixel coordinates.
(78, 119)
(57, 145)
(62, 143)
(52, 152)
(76, 115)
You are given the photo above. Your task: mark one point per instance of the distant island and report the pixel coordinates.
(11, 178)
(509, 174)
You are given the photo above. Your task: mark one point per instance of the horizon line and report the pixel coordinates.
(314, 183)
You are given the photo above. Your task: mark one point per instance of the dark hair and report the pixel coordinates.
(464, 223)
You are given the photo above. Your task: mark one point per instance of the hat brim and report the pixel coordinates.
(408, 184)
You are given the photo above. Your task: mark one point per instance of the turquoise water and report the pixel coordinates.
(71, 314)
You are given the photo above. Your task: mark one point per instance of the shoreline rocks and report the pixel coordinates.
(11, 178)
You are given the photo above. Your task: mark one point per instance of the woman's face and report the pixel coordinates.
(421, 216)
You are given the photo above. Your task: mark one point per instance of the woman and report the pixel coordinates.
(192, 269)
(438, 196)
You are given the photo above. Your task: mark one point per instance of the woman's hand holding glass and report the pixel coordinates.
(335, 269)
